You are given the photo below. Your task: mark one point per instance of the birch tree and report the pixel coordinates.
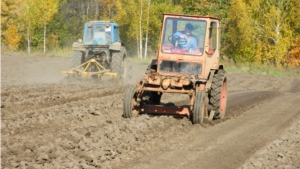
(140, 25)
(146, 43)
(49, 8)
(133, 25)
(29, 18)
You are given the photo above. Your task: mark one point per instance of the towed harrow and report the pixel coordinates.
(88, 69)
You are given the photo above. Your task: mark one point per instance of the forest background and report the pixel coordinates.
(253, 31)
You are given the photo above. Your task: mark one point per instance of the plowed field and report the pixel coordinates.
(48, 122)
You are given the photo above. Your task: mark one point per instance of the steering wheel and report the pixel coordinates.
(182, 41)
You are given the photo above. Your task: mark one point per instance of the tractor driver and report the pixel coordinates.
(186, 40)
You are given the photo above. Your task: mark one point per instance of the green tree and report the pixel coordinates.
(48, 9)
(128, 17)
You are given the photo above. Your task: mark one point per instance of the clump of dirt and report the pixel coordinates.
(76, 126)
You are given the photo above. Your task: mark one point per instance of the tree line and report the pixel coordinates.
(260, 31)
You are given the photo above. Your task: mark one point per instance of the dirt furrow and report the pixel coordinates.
(47, 123)
(228, 144)
(16, 104)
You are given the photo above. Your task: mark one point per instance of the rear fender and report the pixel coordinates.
(78, 47)
(210, 78)
(116, 46)
(221, 67)
(153, 65)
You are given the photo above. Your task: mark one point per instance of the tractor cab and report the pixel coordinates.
(183, 36)
(186, 43)
(101, 33)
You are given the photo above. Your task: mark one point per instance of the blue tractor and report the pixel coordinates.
(101, 52)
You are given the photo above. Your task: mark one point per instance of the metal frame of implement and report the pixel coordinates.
(77, 72)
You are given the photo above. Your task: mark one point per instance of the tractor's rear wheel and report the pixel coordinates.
(119, 64)
(77, 59)
(131, 107)
(218, 94)
(199, 107)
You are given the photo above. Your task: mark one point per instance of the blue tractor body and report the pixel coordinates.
(101, 43)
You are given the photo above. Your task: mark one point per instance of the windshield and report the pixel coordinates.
(180, 67)
(183, 36)
(98, 34)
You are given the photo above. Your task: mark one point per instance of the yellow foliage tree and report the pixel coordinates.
(240, 33)
(262, 30)
(9, 19)
(12, 37)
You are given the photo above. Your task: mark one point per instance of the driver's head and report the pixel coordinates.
(188, 29)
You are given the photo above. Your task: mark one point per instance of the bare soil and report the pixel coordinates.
(47, 122)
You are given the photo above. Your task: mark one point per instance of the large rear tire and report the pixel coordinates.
(199, 107)
(218, 94)
(119, 64)
(131, 107)
(77, 59)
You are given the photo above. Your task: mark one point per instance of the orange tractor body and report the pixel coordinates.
(187, 63)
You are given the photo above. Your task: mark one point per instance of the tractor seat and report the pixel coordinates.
(100, 35)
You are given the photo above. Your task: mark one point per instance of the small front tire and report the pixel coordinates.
(199, 107)
(131, 107)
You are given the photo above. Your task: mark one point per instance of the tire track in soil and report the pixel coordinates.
(237, 103)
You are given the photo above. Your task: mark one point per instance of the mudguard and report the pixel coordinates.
(78, 46)
(115, 46)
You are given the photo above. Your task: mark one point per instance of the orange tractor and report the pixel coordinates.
(187, 63)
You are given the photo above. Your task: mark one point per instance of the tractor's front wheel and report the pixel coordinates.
(131, 106)
(77, 59)
(218, 94)
(199, 107)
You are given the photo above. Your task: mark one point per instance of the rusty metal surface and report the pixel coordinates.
(167, 110)
(170, 80)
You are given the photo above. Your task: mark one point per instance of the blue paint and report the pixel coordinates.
(100, 35)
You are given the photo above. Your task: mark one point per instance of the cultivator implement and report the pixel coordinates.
(88, 69)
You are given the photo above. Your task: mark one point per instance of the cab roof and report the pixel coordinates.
(193, 16)
(103, 21)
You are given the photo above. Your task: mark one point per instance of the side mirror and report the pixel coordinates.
(90, 25)
(206, 49)
(107, 25)
(79, 41)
